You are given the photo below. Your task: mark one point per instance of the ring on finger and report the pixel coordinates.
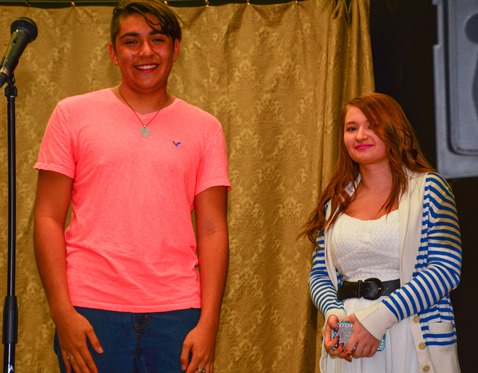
(201, 370)
(69, 357)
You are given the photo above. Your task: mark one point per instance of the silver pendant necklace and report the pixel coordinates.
(144, 129)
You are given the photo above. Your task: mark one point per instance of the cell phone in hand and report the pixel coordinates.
(345, 332)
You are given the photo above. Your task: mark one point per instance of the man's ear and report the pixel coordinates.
(176, 47)
(111, 50)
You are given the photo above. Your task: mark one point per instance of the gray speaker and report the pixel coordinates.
(456, 88)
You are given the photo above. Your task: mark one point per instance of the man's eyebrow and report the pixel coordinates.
(135, 34)
(129, 34)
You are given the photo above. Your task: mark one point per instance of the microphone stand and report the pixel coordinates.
(10, 310)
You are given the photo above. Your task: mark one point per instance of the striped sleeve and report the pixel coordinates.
(438, 266)
(322, 290)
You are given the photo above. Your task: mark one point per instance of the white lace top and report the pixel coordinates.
(367, 248)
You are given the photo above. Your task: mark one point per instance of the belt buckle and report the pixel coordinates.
(379, 285)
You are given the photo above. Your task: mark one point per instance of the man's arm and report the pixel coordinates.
(213, 253)
(51, 209)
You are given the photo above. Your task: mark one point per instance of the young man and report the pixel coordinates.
(132, 285)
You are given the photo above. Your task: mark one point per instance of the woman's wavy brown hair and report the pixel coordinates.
(389, 122)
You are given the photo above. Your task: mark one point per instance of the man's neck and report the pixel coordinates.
(143, 102)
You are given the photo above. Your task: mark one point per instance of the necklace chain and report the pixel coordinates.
(145, 129)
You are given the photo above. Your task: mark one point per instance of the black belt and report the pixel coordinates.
(371, 288)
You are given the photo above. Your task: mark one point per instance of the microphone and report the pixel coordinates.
(23, 31)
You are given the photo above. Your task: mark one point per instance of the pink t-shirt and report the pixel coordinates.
(130, 244)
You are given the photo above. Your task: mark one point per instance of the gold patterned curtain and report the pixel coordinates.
(275, 76)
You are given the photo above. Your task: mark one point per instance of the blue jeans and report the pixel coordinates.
(138, 342)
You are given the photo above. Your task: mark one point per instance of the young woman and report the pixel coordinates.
(388, 249)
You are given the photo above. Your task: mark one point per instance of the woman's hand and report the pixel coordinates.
(332, 345)
(361, 343)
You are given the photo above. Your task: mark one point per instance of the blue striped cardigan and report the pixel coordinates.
(430, 267)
